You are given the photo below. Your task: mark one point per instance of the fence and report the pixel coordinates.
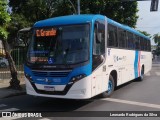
(18, 55)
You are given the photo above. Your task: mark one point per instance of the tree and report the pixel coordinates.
(4, 19)
(145, 33)
(34, 10)
(156, 38)
(18, 21)
(123, 12)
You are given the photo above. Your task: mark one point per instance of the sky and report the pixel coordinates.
(148, 21)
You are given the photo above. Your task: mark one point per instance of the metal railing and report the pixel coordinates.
(18, 55)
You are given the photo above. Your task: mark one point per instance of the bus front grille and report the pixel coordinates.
(50, 73)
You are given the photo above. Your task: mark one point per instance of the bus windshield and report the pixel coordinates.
(59, 45)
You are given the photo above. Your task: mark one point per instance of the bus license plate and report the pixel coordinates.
(49, 88)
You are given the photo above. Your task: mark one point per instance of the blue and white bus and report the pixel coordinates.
(81, 56)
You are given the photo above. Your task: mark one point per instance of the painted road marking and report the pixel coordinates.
(132, 103)
(157, 73)
(10, 72)
(2, 105)
(44, 119)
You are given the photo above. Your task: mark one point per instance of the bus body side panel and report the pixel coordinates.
(123, 62)
(99, 76)
(146, 60)
(127, 63)
(99, 80)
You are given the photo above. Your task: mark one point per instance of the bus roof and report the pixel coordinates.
(132, 30)
(65, 20)
(78, 19)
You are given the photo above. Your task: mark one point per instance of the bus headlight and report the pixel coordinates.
(76, 78)
(29, 77)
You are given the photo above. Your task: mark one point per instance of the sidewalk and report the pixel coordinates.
(6, 92)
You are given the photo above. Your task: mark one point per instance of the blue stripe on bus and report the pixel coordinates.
(136, 64)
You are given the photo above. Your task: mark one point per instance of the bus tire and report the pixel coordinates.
(111, 86)
(141, 77)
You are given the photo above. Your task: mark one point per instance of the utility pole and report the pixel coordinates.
(78, 6)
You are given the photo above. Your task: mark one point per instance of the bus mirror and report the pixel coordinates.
(19, 42)
(23, 37)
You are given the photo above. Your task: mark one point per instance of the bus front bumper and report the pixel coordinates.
(79, 90)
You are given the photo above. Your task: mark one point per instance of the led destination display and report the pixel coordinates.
(45, 32)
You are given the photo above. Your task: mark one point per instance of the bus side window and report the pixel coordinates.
(98, 45)
(112, 36)
(130, 41)
(141, 44)
(122, 38)
(145, 44)
(137, 47)
(149, 45)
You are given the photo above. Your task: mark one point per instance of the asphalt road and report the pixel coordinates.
(133, 96)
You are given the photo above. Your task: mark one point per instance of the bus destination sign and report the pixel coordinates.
(44, 33)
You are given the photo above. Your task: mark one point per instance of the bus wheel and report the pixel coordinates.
(111, 86)
(142, 75)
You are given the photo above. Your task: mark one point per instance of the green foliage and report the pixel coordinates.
(18, 21)
(123, 12)
(156, 38)
(4, 19)
(35, 10)
(3, 33)
(145, 33)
